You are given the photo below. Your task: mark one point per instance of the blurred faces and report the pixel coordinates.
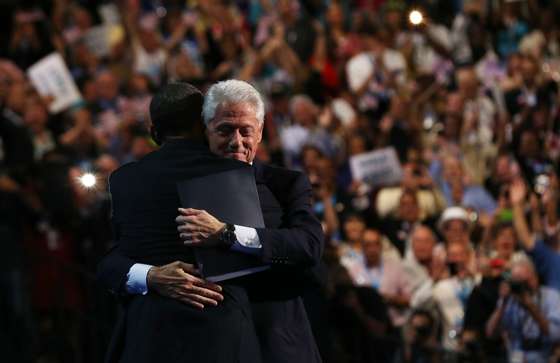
(150, 40)
(287, 9)
(514, 64)
(408, 207)
(529, 69)
(107, 86)
(35, 116)
(398, 108)
(456, 231)
(335, 17)
(454, 105)
(235, 131)
(452, 169)
(528, 146)
(354, 228)
(356, 145)
(468, 83)
(16, 97)
(138, 85)
(505, 242)
(503, 169)
(310, 157)
(423, 243)
(458, 256)
(141, 146)
(304, 111)
(524, 272)
(372, 247)
(393, 19)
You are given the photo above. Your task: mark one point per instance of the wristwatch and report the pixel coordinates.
(227, 235)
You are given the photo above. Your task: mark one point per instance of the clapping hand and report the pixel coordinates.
(517, 192)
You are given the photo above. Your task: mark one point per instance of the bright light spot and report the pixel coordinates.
(415, 17)
(88, 180)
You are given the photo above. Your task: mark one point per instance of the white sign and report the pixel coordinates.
(359, 70)
(379, 167)
(97, 40)
(109, 14)
(51, 78)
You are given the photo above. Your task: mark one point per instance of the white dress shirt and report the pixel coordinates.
(247, 242)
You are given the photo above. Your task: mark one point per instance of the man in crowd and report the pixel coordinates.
(292, 240)
(528, 313)
(383, 274)
(545, 258)
(423, 265)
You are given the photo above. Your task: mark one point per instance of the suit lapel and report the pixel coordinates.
(270, 206)
(259, 172)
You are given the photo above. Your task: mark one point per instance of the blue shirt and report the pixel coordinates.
(519, 325)
(547, 263)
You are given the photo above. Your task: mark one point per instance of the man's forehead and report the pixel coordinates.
(235, 121)
(239, 114)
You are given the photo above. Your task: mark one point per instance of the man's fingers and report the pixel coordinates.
(207, 285)
(207, 293)
(181, 219)
(187, 267)
(189, 239)
(189, 228)
(191, 302)
(189, 211)
(200, 299)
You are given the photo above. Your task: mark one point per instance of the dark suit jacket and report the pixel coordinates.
(155, 329)
(292, 242)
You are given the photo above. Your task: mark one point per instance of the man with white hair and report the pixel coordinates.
(292, 241)
(528, 314)
(305, 130)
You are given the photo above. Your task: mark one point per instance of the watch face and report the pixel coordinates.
(228, 237)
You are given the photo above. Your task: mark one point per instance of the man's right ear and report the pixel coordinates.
(155, 135)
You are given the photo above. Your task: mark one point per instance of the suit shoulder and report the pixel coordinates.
(123, 170)
(286, 182)
(284, 173)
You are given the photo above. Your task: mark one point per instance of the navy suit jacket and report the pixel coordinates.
(292, 244)
(153, 328)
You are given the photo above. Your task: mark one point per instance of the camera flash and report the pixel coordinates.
(88, 180)
(415, 17)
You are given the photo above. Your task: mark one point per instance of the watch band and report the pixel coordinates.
(227, 236)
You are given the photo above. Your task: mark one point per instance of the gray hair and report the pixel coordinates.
(231, 91)
(524, 261)
(300, 99)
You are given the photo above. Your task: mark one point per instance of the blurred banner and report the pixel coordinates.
(53, 81)
(379, 167)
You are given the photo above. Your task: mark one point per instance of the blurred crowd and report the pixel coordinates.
(457, 262)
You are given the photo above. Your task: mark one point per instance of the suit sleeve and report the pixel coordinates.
(299, 241)
(112, 271)
(113, 268)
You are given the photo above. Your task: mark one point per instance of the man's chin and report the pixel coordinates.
(236, 156)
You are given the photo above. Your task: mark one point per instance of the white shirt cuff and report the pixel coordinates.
(247, 237)
(136, 279)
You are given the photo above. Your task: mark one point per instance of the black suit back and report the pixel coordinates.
(157, 329)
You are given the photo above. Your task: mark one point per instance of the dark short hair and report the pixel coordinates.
(176, 109)
(499, 228)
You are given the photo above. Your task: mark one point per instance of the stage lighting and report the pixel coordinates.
(88, 180)
(415, 17)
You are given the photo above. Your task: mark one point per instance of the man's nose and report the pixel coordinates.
(235, 139)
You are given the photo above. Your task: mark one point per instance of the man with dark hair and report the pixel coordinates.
(291, 242)
(175, 112)
(145, 203)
